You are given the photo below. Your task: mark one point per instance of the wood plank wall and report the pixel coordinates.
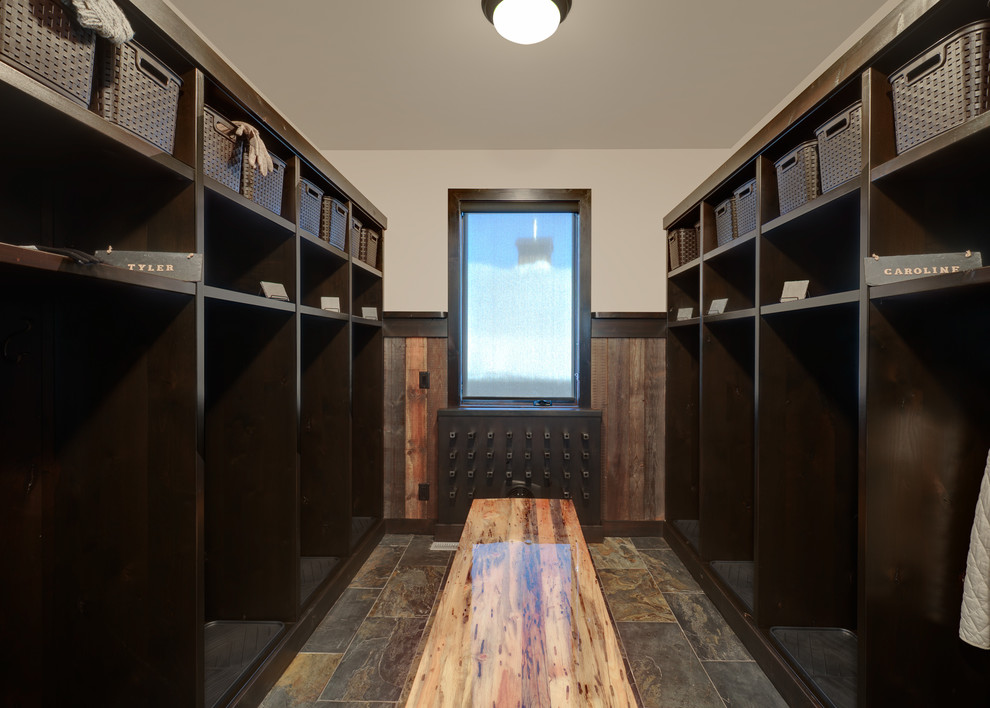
(411, 423)
(628, 384)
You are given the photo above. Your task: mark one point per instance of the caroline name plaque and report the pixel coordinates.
(881, 270)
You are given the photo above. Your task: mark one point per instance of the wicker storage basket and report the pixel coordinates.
(942, 87)
(40, 38)
(725, 222)
(333, 222)
(744, 199)
(369, 247)
(797, 176)
(840, 151)
(310, 205)
(357, 228)
(264, 190)
(221, 150)
(137, 92)
(682, 246)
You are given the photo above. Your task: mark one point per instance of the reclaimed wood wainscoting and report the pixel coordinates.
(628, 384)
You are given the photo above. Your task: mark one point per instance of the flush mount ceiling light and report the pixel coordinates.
(526, 21)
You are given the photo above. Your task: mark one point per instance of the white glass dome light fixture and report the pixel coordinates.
(526, 21)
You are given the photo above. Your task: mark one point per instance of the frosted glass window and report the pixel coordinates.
(519, 308)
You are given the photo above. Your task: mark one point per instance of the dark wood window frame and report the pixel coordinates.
(457, 201)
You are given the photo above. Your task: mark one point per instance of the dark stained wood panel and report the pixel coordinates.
(681, 417)
(325, 460)
(808, 464)
(654, 411)
(727, 420)
(929, 433)
(26, 479)
(123, 524)
(368, 416)
(395, 427)
(417, 427)
(623, 471)
(251, 465)
(600, 398)
(436, 398)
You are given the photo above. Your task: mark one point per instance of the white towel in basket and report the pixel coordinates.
(104, 18)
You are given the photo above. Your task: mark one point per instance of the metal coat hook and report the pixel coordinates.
(7, 356)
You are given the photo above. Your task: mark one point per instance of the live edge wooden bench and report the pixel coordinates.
(522, 620)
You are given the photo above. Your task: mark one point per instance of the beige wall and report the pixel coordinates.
(631, 192)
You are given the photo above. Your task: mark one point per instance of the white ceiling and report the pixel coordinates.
(433, 74)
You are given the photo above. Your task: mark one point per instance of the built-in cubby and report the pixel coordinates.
(682, 415)
(726, 441)
(684, 293)
(808, 442)
(820, 245)
(324, 273)
(824, 492)
(367, 428)
(99, 451)
(367, 292)
(325, 449)
(246, 244)
(191, 471)
(928, 427)
(729, 275)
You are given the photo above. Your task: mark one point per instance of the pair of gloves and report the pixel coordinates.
(257, 152)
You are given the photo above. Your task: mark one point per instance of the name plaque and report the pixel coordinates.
(274, 291)
(718, 306)
(794, 290)
(881, 270)
(180, 266)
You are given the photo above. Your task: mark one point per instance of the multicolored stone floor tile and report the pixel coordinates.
(680, 650)
(615, 554)
(633, 596)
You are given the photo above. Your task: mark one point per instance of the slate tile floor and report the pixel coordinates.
(681, 651)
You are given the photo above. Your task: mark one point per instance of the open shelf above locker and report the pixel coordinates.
(734, 248)
(237, 212)
(323, 247)
(51, 129)
(686, 268)
(361, 265)
(949, 154)
(835, 206)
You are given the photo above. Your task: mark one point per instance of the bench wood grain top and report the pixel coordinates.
(522, 620)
